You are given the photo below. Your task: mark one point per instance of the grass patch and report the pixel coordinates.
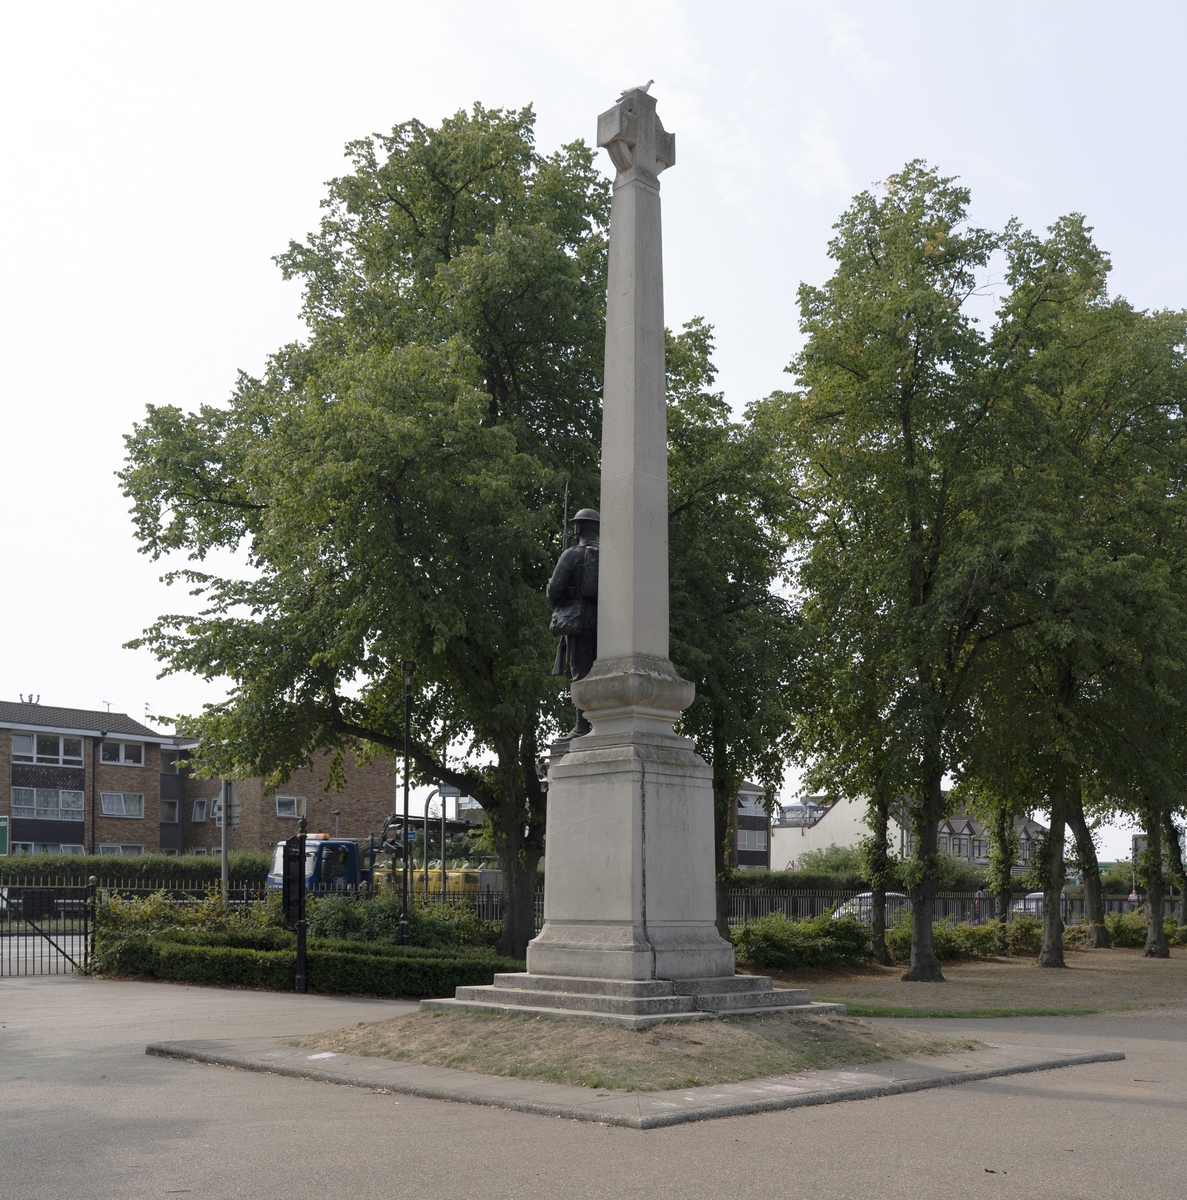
(604, 1056)
(1067, 1010)
(1095, 981)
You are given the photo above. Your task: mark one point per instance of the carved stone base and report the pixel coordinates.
(629, 878)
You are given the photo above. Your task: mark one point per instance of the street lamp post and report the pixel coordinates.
(425, 851)
(445, 790)
(409, 669)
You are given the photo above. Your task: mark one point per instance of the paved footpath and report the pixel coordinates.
(85, 1113)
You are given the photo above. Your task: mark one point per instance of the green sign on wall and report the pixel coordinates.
(3, 835)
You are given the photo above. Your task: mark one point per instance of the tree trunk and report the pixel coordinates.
(1053, 871)
(879, 871)
(518, 827)
(1005, 850)
(1172, 857)
(925, 966)
(1094, 904)
(1156, 943)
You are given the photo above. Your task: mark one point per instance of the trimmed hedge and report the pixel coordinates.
(1129, 930)
(246, 868)
(339, 971)
(775, 941)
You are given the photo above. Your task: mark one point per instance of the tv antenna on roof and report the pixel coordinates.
(108, 703)
(30, 698)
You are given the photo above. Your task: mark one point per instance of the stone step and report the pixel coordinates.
(749, 984)
(752, 1001)
(627, 1021)
(599, 987)
(622, 1005)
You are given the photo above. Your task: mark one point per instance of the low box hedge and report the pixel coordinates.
(775, 942)
(248, 868)
(333, 969)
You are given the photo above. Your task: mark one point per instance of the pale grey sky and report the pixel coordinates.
(157, 155)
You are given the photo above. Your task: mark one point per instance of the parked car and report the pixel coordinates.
(1030, 905)
(861, 906)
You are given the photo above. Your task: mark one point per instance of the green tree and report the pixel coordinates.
(1098, 644)
(394, 481)
(731, 629)
(884, 444)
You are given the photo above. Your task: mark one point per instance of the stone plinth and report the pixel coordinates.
(629, 883)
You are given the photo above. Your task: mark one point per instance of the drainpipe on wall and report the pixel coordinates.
(95, 783)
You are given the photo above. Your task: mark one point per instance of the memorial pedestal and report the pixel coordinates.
(629, 890)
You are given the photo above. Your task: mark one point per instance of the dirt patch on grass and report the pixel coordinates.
(1093, 981)
(604, 1056)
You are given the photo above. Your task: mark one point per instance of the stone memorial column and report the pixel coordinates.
(629, 885)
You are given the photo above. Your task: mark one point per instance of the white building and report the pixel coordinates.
(819, 822)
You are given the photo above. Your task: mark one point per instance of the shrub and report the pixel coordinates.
(1024, 935)
(1129, 929)
(951, 940)
(776, 942)
(377, 918)
(247, 867)
(345, 971)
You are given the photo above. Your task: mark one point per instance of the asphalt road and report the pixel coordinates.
(84, 1114)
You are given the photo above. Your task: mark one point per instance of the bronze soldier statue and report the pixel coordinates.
(573, 594)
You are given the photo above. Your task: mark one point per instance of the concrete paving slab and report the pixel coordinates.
(633, 1110)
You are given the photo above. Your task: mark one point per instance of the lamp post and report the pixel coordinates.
(425, 852)
(445, 790)
(409, 669)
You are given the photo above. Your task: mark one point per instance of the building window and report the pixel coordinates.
(960, 847)
(169, 762)
(47, 804)
(121, 804)
(47, 848)
(198, 816)
(124, 850)
(131, 754)
(290, 806)
(169, 812)
(47, 748)
(752, 839)
(979, 848)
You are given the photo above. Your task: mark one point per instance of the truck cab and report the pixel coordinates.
(331, 864)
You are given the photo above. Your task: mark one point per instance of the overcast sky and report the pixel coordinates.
(156, 156)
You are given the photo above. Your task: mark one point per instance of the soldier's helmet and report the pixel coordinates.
(586, 514)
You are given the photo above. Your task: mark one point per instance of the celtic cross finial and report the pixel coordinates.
(635, 138)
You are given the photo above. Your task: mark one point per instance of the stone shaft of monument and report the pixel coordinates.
(629, 878)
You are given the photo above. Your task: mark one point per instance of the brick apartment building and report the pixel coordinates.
(84, 782)
(102, 783)
(269, 815)
(752, 825)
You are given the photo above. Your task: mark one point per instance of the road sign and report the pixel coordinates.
(216, 813)
(3, 835)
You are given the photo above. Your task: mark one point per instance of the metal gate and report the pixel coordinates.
(45, 927)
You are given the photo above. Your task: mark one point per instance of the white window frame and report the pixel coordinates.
(752, 840)
(123, 751)
(203, 807)
(172, 768)
(38, 797)
(176, 818)
(120, 849)
(298, 803)
(57, 759)
(48, 848)
(104, 797)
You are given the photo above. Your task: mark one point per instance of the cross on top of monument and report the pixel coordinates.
(635, 137)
